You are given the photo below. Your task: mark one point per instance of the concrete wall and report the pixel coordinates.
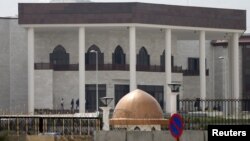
(107, 40)
(218, 69)
(188, 135)
(18, 68)
(46, 41)
(4, 65)
(191, 84)
(191, 87)
(43, 89)
(65, 83)
(13, 66)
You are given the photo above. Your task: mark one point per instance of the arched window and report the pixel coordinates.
(90, 57)
(59, 56)
(163, 59)
(153, 129)
(137, 128)
(118, 56)
(143, 58)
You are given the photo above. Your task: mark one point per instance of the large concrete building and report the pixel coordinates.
(50, 52)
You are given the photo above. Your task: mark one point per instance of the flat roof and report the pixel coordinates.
(243, 40)
(99, 13)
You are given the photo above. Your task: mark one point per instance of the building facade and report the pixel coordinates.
(53, 54)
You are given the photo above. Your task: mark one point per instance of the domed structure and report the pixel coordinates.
(138, 110)
(138, 104)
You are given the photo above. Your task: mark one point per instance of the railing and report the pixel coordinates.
(217, 112)
(48, 66)
(110, 67)
(107, 67)
(157, 68)
(49, 124)
(124, 67)
(193, 73)
(43, 66)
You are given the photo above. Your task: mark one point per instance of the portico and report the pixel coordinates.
(180, 30)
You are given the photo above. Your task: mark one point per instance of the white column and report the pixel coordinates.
(31, 71)
(230, 80)
(224, 80)
(132, 50)
(230, 69)
(202, 68)
(105, 118)
(81, 70)
(236, 91)
(168, 94)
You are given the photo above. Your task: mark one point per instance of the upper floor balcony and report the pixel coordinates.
(193, 72)
(115, 67)
(104, 67)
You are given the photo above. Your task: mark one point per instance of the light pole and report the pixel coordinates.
(106, 109)
(175, 89)
(96, 53)
(224, 61)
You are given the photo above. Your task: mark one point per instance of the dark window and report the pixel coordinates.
(120, 91)
(91, 96)
(156, 91)
(246, 77)
(163, 59)
(143, 58)
(90, 57)
(59, 56)
(137, 128)
(193, 64)
(118, 56)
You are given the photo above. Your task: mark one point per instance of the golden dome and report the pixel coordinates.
(138, 108)
(138, 105)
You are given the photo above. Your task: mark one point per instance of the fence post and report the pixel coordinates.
(97, 124)
(17, 126)
(27, 126)
(88, 126)
(80, 127)
(34, 125)
(8, 126)
(46, 125)
(63, 127)
(54, 125)
(237, 110)
(72, 127)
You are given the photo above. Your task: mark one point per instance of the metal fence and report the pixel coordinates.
(59, 125)
(197, 114)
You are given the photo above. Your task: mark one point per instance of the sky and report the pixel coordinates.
(9, 7)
